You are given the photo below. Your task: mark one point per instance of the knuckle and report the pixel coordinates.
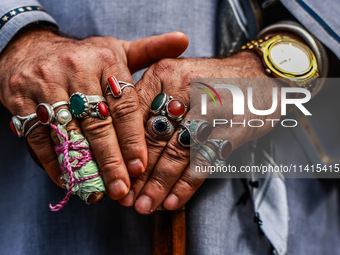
(100, 129)
(166, 65)
(39, 137)
(190, 184)
(106, 55)
(175, 152)
(17, 88)
(133, 143)
(160, 180)
(127, 107)
(107, 165)
(44, 70)
(75, 60)
(153, 143)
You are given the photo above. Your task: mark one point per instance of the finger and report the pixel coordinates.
(102, 137)
(128, 123)
(41, 144)
(143, 52)
(192, 179)
(186, 185)
(166, 162)
(167, 171)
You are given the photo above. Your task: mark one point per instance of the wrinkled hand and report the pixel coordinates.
(42, 67)
(167, 177)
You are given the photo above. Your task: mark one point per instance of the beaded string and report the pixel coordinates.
(85, 157)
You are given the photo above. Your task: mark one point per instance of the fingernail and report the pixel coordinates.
(171, 202)
(135, 167)
(118, 189)
(128, 199)
(143, 204)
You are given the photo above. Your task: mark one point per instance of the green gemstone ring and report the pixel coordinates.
(81, 105)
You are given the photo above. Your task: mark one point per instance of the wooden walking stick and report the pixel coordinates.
(168, 232)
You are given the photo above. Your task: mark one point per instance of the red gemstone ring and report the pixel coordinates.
(113, 87)
(44, 113)
(164, 105)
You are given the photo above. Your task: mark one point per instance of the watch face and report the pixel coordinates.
(290, 57)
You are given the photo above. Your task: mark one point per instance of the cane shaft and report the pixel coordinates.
(168, 233)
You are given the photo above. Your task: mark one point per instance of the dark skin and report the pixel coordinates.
(167, 177)
(55, 67)
(61, 66)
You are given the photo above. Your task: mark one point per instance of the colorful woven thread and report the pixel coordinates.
(77, 165)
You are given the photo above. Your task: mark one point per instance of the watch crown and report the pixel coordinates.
(268, 71)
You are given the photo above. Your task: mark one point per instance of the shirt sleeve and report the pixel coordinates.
(321, 18)
(16, 14)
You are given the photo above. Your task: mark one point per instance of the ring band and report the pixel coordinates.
(209, 154)
(45, 112)
(82, 105)
(18, 127)
(160, 127)
(113, 87)
(193, 133)
(224, 147)
(164, 105)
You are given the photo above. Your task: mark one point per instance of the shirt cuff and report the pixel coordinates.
(14, 19)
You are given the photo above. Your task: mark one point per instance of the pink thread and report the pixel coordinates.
(85, 157)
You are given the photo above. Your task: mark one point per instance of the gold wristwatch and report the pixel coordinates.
(288, 59)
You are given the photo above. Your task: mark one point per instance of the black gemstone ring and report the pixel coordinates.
(193, 133)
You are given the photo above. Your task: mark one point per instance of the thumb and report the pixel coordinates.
(143, 52)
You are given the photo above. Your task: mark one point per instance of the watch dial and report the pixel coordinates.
(290, 57)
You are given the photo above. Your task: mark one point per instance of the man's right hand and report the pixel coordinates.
(42, 67)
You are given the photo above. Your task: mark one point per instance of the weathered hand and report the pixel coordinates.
(42, 67)
(167, 177)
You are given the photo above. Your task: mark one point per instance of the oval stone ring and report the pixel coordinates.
(164, 105)
(193, 133)
(83, 106)
(160, 127)
(113, 87)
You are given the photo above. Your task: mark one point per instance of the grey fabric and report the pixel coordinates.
(20, 19)
(321, 18)
(215, 224)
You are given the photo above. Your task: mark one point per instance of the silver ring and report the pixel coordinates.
(63, 117)
(18, 123)
(113, 87)
(209, 154)
(168, 106)
(82, 105)
(223, 147)
(31, 128)
(18, 127)
(160, 127)
(193, 133)
(45, 112)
